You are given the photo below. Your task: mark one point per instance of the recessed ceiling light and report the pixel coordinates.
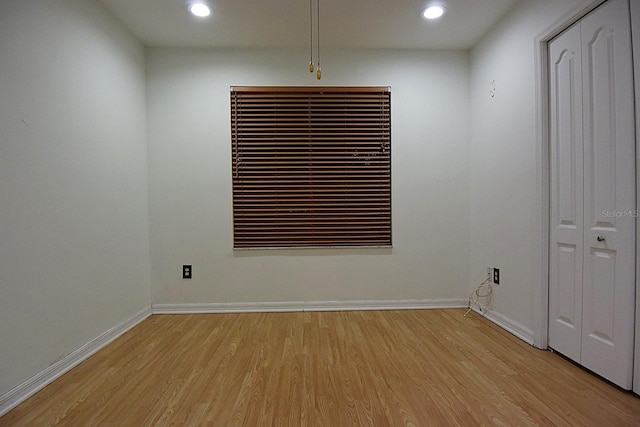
(433, 12)
(199, 9)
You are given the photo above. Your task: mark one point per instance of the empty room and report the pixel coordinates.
(319, 212)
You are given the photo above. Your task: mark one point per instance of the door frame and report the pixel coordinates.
(635, 40)
(543, 190)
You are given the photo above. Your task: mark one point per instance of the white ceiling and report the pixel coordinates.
(285, 23)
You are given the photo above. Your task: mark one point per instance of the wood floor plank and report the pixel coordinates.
(359, 368)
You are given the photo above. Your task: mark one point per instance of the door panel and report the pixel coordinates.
(566, 263)
(599, 308)
(568, 307)
(592, 146)
(601, 116)
(609, 194)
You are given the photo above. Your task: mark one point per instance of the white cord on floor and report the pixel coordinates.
(483, 291)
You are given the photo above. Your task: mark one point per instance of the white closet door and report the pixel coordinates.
(609, 196)
(592, 253)
(566, 253)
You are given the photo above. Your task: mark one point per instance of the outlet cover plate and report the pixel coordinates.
(187, 271)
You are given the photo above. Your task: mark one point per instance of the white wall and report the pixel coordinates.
(190, 180)
(74, 255)
(507, 164)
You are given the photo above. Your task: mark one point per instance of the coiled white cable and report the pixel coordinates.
(481, 296)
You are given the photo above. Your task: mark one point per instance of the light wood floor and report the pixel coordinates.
(361, 368)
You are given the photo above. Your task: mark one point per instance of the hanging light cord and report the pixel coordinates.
(311, 35)
(319, 72)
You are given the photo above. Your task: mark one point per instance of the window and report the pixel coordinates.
(311, 166)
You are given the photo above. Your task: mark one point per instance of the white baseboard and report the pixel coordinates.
(515, 328)
(249, 307)
(23, 391)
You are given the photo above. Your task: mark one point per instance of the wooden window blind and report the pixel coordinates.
(311, 166)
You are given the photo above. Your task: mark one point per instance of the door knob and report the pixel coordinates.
(600, 239)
